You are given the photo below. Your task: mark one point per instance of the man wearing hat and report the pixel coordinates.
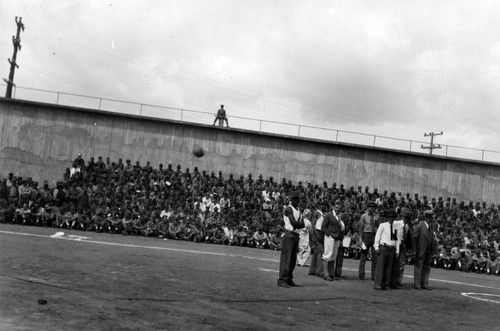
(332, 228)
(317, 239)
(292, 218)
(406, 228)
(368, 224)
(386, 246)
(347, 218)
(423, 243)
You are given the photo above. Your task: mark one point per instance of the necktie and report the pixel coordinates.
(391, 231)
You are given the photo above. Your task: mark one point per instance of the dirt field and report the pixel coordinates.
(114, 282)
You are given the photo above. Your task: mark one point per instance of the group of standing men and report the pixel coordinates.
(388, 241)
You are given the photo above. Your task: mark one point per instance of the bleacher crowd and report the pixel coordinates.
(208, 207)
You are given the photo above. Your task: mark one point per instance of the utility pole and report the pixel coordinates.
(13, 65)
(432, 145)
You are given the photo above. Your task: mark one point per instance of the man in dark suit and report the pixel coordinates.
(423, 242)
(332, 228)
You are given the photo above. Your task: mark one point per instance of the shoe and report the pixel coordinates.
(328, 278)
(386, 289)
(340, 276)
(283, 284)
(361, 277)
(377, 288)
(293, 284)
(312, 274)
(427, 288)
(417, 287)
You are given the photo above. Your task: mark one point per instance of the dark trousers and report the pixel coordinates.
(422, 269)
(398, 267)
(316, 267)
(340, 261)
(288, 258)
(368, 239)
(384, 266)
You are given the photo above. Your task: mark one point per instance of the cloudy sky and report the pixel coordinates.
(392, 68)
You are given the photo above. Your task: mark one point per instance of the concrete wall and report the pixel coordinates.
(40, 140)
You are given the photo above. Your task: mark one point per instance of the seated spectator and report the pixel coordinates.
(23, 215)
(276, 240)
(188, 232)
(139, 223)
(218, 236)
(151, 229)
(260, 238)
(6, 212)
(163, 226)
(444, 259)
(174, 230)
(240, 237)
(44, 216)
(495, 264)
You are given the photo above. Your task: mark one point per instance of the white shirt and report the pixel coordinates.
(319, 221)
(213, 206)
(383, 237)
(399, 225)
(297, 215)
(304, 232)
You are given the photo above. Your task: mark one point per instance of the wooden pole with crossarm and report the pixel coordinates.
(432, 145)
(13, 65)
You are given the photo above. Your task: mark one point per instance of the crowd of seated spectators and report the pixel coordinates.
(208, 207)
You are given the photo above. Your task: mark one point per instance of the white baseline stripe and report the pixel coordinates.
(211, 253)
(474, 296)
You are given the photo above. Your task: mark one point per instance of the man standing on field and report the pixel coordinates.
(292, 218)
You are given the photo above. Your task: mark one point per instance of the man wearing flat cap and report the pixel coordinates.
(386, 246)
(423, 243)
(292, 218)
(368, 224)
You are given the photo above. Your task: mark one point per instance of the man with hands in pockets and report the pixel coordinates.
(386, 245)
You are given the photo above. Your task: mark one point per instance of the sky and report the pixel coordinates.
(389, 68)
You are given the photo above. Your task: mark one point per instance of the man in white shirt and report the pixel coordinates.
(404, 229)
(386, 245)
